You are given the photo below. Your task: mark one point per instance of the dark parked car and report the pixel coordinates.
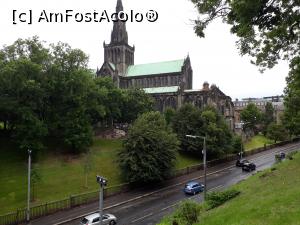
(193, 187)
(248, 166)
(240, 162)
(280, 156)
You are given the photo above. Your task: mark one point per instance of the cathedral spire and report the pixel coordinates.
(119, 34)
(119, 7)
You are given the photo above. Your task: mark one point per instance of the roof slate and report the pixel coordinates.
(155, 68)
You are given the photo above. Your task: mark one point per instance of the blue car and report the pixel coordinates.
(193, 187)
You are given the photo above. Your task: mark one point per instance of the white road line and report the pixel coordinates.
(215, 188)
(141, 218)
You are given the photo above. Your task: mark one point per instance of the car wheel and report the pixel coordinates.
(112, 222)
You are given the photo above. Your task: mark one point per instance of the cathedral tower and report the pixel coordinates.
(118, 53)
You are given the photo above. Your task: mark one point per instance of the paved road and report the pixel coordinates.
(151, 209)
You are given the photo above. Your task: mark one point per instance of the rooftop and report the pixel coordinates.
(155, 68)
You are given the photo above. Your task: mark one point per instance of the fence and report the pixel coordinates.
(51, 207)
(76, 200)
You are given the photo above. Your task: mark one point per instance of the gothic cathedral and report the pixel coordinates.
(170, 82)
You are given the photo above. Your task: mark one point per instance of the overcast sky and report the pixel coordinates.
(214, 59)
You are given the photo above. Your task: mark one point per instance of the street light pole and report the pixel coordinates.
(204, 165)
(204, 159)
(28, 193)
(102, 182)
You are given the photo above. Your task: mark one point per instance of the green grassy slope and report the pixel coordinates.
(257, 142)
(62, 175)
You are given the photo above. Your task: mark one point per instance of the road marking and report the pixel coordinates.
(141, 218)
(215, 188)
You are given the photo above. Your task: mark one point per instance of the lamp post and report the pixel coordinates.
(242, 150)
(102, 182)
(204, 159)
(28, 190)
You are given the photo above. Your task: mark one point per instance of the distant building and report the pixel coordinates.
(169, 83)
(277, 103)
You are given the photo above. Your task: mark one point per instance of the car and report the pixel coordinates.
(240, 162)
(193, 187)
(280, 156)
(248, 166)
(93, 219)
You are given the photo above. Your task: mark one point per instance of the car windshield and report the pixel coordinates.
(84, 221)
(188, 186)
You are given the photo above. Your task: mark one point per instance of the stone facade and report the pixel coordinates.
(170, 83)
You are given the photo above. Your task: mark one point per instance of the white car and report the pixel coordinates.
(93, 219)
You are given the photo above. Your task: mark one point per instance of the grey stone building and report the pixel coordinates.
(170, 82)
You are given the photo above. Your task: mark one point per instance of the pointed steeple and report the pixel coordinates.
(119, 7)
(119, 34)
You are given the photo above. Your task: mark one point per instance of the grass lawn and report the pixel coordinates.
(270, 197)
(257, 142)
(61, 175)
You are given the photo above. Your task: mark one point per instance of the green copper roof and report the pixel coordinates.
(155, 68)
(112, 65)
(161, 89)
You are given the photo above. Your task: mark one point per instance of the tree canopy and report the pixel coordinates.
(292, 99)
(149, 151)
(190, 120)
(268, 30)
(251, 117)
(267, 116)
(48, 91)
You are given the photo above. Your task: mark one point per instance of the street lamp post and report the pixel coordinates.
(102, 182)
(241, 153)
(28, 190)
(204, 159)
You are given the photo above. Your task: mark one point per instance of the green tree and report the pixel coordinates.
(219, 136)
(251, 116)
(149, 151)
(190, 120)
(292, 99)
(268, 30)
(169, 114)
(42, 92)
(135, 102)
(237, 144)
(276, 132)
(267, 116)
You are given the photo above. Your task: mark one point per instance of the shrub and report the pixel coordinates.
(216, 199)
(187, 213)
